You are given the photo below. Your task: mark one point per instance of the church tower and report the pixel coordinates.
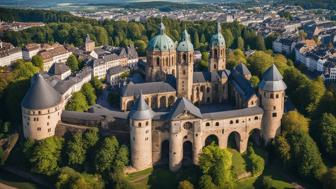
(185, 66)
(141, 134)
(272, 99)
(217, 51)
(89, 44)
(161, 56)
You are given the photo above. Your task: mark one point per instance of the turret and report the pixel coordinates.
(217, 51)
(41, 109)
(185, 66)
(141, 134)
(272, 98)
(89, 44)
(161, 56)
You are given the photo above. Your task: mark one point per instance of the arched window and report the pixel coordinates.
(207, 124)
(139, 124)
(184, 72)
(215, 53)
(167, 63)
(158, 61)
(217, 124)
(184, 58)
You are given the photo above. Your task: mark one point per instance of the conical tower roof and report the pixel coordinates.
(40, 94)
(141, 111)
(183, 105)
(272, 80)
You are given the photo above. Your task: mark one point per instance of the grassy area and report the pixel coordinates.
(15, 181)
(163, 178)
(238, 162)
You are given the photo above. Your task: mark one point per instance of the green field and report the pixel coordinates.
(162, 178)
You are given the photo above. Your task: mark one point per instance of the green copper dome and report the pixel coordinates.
(161, 42)
(185, 45)
(218, 39)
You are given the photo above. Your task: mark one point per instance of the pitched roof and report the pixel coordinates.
(40, 94)
(242, 69)
(272, 80)
(234, 113)
(140, 110)
(242, 85)
(184, 105)
(200, 77)
(147, 88)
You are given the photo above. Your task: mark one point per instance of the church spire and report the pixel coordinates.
(219, 27)
(162, 28)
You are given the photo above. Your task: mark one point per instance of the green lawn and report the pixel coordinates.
(15, 181)
(162, 178)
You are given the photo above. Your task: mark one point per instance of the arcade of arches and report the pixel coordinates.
(155, 101)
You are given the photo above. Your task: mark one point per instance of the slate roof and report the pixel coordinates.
(201, 77)
(184, 105)
(233, 113)
(40, 94)
(140, 110)
(116, 70)
(59, 68)
(242, 85)
(272, 80)
(146, 88)
(242, 69)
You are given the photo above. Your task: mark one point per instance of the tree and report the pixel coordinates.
(75, 150)
(105, 154)
(203, 40)
(97, 85)
(77, 103)
(121, 159)
(305, 156)
(89, 93)
(329, 179)
(141, 47)
(227, 34)
(255, 163)
(73, 63)
(90, 138)
(69, 178)
(185, 184)
(266, 182)
(240, 43)
(327, 134)
(260, 43)
(217, 163)
(37, 61)
(294, 121)
(259, 62)
(235, 57)
(196, 40)
(255, 81)
(101, 35)
(206, 182)
(46, 156)
(282, 149)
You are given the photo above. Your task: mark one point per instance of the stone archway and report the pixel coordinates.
(187, 153)
(211, 139)
(163, 102)
(129, 105)
(234, 141)
(165, 151)
(255, 137)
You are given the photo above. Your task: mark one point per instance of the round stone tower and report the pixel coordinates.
(41, 109)
(141, 134)
(272, 98)
(217, 51)
(161, 56)
(185, 66)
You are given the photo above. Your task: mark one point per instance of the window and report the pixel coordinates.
(48, 123)
(274, 114)
(256, 118)
(48, 117)
(187, 125)
(184, 72)
(146, 123)
(147, 131)
(39, 128)
(139, 124)
(222, 131)
(237, 121)
(217, 124)
(39, 112)
(277, 96)
(207, 124)
(274, 107)
(146, 138)
(158, 61)
(272, 96)
(49, 130)
(231, 122)
(208, 89)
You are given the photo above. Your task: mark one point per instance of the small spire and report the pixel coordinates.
(162, 28)
(219, 27)
(185, 35)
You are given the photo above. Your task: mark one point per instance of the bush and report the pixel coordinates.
(185, 184)
(255, 163)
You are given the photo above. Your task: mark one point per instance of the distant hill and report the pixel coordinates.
(311, 4)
